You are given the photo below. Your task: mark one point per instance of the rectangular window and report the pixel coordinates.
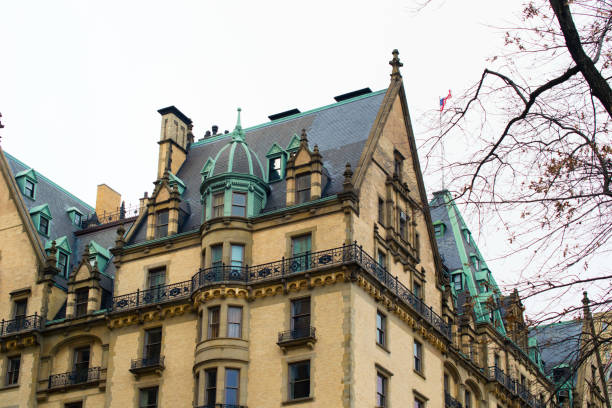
(216, 255)
(217, 205)
(148, 397)
(417, 289)
(80, 304)
(457, 282)
(418, 403)
(381, 328)
(239, 204)
(402, 225)
(274, 170)
(43, 225)
(446, 383)
(382, 259)
(418, 356)
(300, 251)
(381, 390)
(29, 188)
(81, 364)
(397, 165)
(381, 211)
(12, 370)
(237, 255)
(496, 360)
(299, 380)
(302, 188)
(232, 385)
(77, 219)
(300, 317)
(152, 346)
(19, 309)
(210, 384)
(438, 230)
(234, 322)
(161, 226)
(213, 322)
(156, 277)
(468, 399)
(62, 263)
(78, 404)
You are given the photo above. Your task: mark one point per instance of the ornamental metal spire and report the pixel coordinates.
(396, 64)
(238, 133)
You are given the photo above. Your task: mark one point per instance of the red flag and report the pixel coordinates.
(443, 101)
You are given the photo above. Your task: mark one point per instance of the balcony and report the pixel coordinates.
(297, 337)
(72, 378)
(146, 365)
(450, 402)
(282, 269)
(20, 325)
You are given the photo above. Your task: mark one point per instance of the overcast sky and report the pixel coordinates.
(81, 81)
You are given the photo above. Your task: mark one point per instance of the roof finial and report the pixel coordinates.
(238, 133)
(396, 64)
(1, 125)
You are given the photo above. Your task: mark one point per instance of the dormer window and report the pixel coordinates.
(274, 169)
(62, 263)
(43, 225)
(302, 191)
(77, 219)
(439, 229)
(239, 204)
(29, 188)
(75, 216)
(457, 282)
(161, 226)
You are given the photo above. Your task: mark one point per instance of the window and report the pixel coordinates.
(418, 403)
(302, 188)
(418, 357)
(402, 225)
(77, 219)
(382, 259)
(300, 317)
(381, 328)
(62, 263)
(232, 381)
(74, 405)
(457, 282)
(81, 364)
(200, 318)
(213, 322)
(12, 370)
(29, 188)
(217, 205)
(161, 227)
(398, 162)
(468, 399)
(446, 384)
(237, 252)
(216, 254)
(157, 277)
(381, 211)
(300, 251)
(80, 305)
(274, 169)
(19, 309)
(239, 204)
(417, 289)
(381, 390)
(148, 397)
(43, 225)
(152, 346)
(299, 380)
(496, 360)
(438, 230)
(234, 322)
(210, 385)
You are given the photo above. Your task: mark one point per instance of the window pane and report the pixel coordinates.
(12, 374)
(148, 397)
(237, 255)
(302, 188)
(381, 390)
(43, 225)
(299, 380)
(300, 316)
(20, 309)
(274, 172)
(216, 255)
(234, 321)
(380, 328)
(218, 205)
(213, 322)
(239, 204)
(232, 380)
(211, 386)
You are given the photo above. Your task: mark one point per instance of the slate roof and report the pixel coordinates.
(340, 130)
(559, 343)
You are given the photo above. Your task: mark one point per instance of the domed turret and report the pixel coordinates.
(233, 182)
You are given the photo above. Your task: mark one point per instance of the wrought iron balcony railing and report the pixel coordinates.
(450, 402)
(155, 295)
(84, 376)
(280, 269)
(497, 374)
(147, 363)
(21, 324)
(301, 333)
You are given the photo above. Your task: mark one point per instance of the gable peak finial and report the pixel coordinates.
(303, 136)
(238, 133)
(396, 64)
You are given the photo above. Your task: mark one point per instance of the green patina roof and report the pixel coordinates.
(294, 144)
(61, 242)
(177, 181)
(97, 249)
(43, 208)
(275, 149)
(31, 173)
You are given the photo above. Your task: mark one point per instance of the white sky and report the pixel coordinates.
(81, 81)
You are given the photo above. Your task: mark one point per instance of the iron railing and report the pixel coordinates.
(147, 362)
(515, 387)
(450, 402)
(74, 377)
(280, 269)
(155, 295)
(21, 324)
(300, 333)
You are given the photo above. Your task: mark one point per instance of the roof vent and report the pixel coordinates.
(352, 94)
(290, 112)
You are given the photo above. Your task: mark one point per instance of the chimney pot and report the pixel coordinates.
(215, 129)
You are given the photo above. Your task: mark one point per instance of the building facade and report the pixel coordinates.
(291, 263)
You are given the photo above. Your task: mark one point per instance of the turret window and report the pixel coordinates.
(217, 205)
(302, 191)
(216, 253)
(237, 256)
(239, 204)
